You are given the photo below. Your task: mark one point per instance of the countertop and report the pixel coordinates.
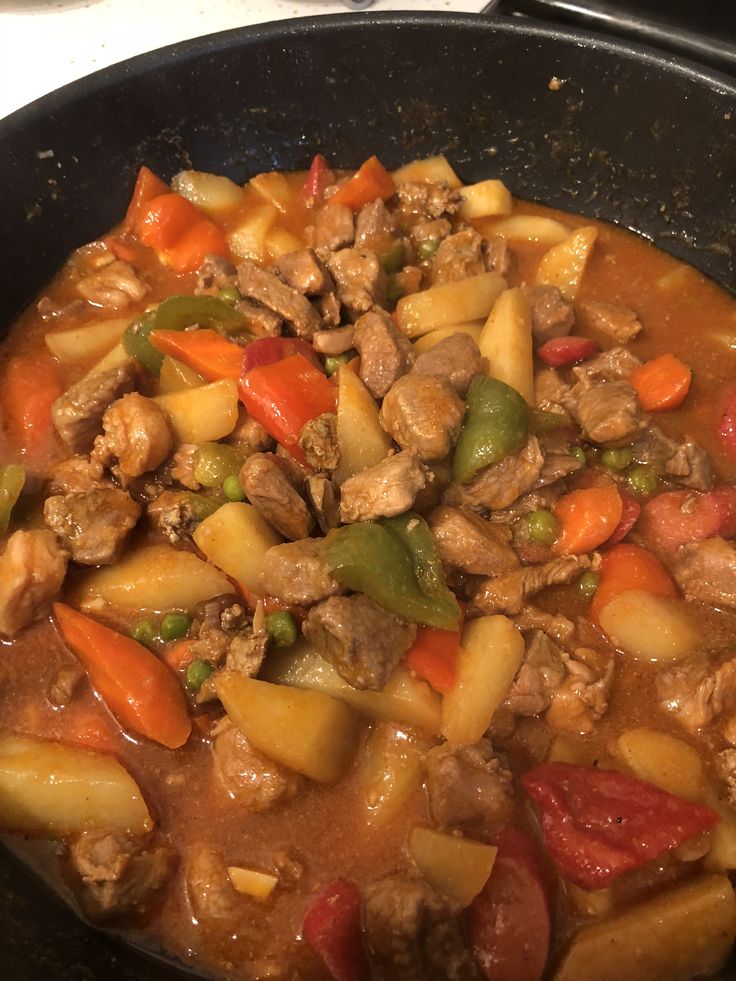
(47, 43)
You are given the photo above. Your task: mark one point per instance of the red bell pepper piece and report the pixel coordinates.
(268, 350)
(727, 425)
(371, 181)
(204, 350)
(332, 929)
(509, 921)
(676, 517)
(284, 396)
(631, 509)
(598, 824)
(179, 232)
(319, 178)
(562, 351)
(433, 656)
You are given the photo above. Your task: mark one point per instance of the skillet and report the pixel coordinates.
(632, 136)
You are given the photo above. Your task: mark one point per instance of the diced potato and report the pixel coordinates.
(456, 867)
(248, 239)
(449, 304)
(649, 628)
(684, 932)
(563, 749)
(563, 266)
(486, 198)
(429, 169)
(175, 376)
(404, 698)
(595, 903)
(529, 228)
(87, 343)
(361, 438)
(235, 539)
(663, 760)
(677, 280)
(722, 854)
(428, 341)
(390, 772)
(274, 188)
(308, 731)
(506, 343)
(280, 241)
(155, 577)
(250, 882)
(111, 360)
(203, 414)
(54, 790)
(214, 194)
(491, 651)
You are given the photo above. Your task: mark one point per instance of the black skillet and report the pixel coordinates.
(632, 136)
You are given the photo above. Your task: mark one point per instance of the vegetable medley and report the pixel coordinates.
(368, 590)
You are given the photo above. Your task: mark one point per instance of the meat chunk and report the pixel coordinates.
(374, 227)
(424, 415)
(616, 364)
(385, 353)
(459, 256)
(32, 570)
(609, 413)
(334, 227)
(318, 439)
(359, 638)
(76, 475)
(176, 514)
(706, 571)
(323, 498)
(77, 414)
(470, 543)
(136, 439)
(457, 359)
(556, 466)
(502, 483)
(249, 435)
(697, 691)
(295, 574)
(469, 788)
(555, 625)
(65, 683)
(425, 201)
(246, 652)
(260, 320)
(265, 288)
(508, 593)
(413, 933)
(620, 323)
(118, 873)
(726, 765)
(433, 230)
(215, 273)
(498, 255)
(93, 526)
(389, 488)
(305, 272)
(333, 342)
(269, 489)
(116, 286)
(360, 278)
(248, 776)
(551, 315)
(550, 391)
(540, 675)
(217, 623)
(211, 895)
(183, 465)
(685, 462)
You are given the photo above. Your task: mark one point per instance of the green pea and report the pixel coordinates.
(543, 527)
(197, 673)
(617, 458)
(229, 294)
(642, 480)
(231, 488)
(144, 632)
(427, 248)
(282, 628)
(588, 583)
(335, 361)
(579, 453)
(175, 626)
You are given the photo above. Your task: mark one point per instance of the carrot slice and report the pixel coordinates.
(147, 187)
(661, 383)
(371, 181)
(29, 388)
(165, 220)
(626, 567)
(208, 352)
(433, 657)
(203, 238)
(141, 692)
(588, 517)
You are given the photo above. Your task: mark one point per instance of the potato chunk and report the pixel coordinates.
(648, 627)
(449, 304)
(235, 539)
(506, 342)
(203, 414)
(456, 867)
(360, 435)
(563, 266)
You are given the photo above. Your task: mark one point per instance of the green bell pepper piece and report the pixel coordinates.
(369, 558)
(541, 422)
(393, 260)
(214, 462)
(12, 479)
(177, 313)
(496, 424)
(414, 534)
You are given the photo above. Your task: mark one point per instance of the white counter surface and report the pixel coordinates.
(47, 43)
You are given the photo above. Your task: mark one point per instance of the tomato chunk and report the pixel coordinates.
(332, 929)
(676, 517)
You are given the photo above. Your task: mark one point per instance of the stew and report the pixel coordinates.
(368, 584)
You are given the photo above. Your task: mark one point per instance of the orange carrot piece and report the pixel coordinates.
(626, 567)
(661, 383)
(139, 689)
(179, 656)
(30, 387)
(587, 518)
(433, 657)
(147, 187)
(371, 181)
(207, 352)
(188, 252)
(86, 723)
(165, 220)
